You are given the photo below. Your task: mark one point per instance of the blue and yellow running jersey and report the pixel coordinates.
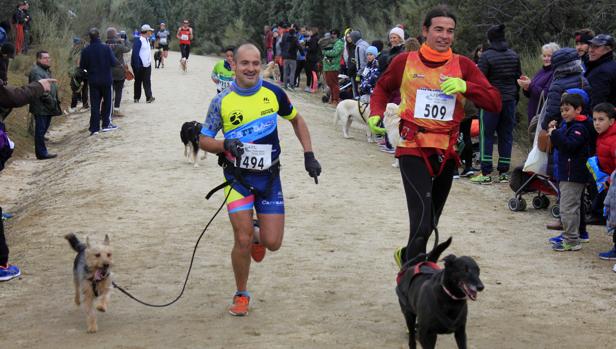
(250, 115)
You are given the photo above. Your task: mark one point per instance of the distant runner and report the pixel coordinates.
(223, 73)
(185, 35)
(163, 37)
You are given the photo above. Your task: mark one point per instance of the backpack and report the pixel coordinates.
(6, 147)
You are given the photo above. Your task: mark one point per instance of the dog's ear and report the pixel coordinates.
(449, 260)
(88, 241)
(106, 242)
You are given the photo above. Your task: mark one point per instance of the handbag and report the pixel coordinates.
(128, 75)
(543, 140)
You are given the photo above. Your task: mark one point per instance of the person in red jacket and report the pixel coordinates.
(604, 120)
(434, 84)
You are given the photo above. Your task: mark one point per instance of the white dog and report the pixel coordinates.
(391, 120)
(349, 110)
(272, 71)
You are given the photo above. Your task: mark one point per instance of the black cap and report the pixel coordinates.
(603, 40)
(93, 34)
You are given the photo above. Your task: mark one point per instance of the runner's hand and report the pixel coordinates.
(312, 166)
(234, 146)
(373, 122)
(453, 85)
(46, 83)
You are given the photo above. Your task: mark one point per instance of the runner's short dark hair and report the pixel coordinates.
(40, 54)
(439, 11)
(607, 108)
(230, 48)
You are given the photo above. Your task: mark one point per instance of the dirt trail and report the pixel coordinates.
(331, 285)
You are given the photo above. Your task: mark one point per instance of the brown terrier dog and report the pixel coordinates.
(92, 276)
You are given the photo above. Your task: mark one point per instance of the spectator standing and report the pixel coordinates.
(119, 47)
(79, 78)
(313, 55)
(4, 32)
(360, 57)
(98, 60)
(370, 73)
(141, 62)
(290, 49)
(7, 52)
(537, 88)
(19, 20)
(11, 97)
(331, 66)
(396, 46)
(45, 107)
(301, 56)
(27, 25)
(501, 66)
(571, 140)
(601, 70)
(582, 43)
(268, 43)
(568, 73)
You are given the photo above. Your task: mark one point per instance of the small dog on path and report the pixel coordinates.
(190, 137)
(92, 277)
(271, 71)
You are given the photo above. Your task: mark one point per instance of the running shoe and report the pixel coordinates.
(398, 256)
(9, 272)
(481, 179)
(467, 172)
(584, 237)
(150, 100)
(609, 255)
(6, 216)
(257, 250)
(240, 305)
(456, 174)
(503, 178)
(564, 246)
(109, 127)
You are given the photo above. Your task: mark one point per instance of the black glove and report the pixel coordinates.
(234, 146)
(312, 166)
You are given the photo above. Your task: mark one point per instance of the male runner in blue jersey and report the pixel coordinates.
(247, 112)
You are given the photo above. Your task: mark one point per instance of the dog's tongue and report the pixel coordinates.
(470, 293)
(98, 275)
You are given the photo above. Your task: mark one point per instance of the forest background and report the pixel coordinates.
(530, 23)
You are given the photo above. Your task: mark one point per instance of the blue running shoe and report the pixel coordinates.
(9, 272)
(6, 216)
(556, 239)
(609, 255)
(564, 246)
(584, 237)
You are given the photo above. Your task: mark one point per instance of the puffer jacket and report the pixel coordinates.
(606, 150)
(369, 76)
(331, 58)
(567, 74)
(601, 75)
(48, 104)
(572, 141)
(501, 66)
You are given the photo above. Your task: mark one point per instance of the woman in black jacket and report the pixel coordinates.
(313, 56)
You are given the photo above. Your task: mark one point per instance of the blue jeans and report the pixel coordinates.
(502, 123)
(41, 125)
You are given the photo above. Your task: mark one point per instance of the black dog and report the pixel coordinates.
(435, 297)
(157, 58)
(190, 137)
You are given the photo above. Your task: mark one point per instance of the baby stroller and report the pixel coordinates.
(527, 182)
(346, 89)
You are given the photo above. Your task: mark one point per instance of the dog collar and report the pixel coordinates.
(451, 294)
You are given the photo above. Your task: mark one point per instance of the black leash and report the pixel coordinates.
(192, 259)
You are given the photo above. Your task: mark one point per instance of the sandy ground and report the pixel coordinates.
(331, 285)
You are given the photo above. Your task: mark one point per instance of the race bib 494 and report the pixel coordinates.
(256, 156)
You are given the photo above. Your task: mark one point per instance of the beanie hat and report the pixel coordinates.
(372, 50)
(580, 92)
(355, 36)
(398, 31)
(496, 33)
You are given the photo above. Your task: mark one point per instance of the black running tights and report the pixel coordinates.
(422, 192)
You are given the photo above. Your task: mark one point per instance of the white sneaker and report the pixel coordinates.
(614, 268)
(72, 110)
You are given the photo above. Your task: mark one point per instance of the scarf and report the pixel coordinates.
(433, 55)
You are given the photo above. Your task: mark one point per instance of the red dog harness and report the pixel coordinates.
(420, 268)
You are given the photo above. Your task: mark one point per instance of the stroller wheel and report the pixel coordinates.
(537, 202)
(546, 202)
(555, 211)
(516, 204)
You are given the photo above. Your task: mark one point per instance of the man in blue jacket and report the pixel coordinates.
(97, 59)
(601, 70)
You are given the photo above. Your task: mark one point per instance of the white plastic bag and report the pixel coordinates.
(537, 160)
